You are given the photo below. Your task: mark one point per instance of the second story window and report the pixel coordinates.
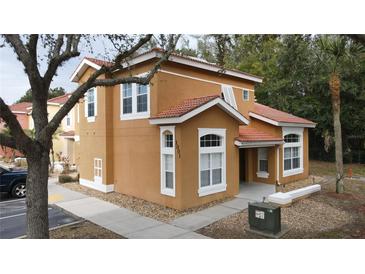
(135, 101)
(91, 104)
(245, 95)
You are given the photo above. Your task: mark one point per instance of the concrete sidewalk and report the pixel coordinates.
(119, 220)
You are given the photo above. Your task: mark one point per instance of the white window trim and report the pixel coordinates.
(259, 173)
(243, 95)
(297, 131)
(207, 190)
(91, 119)
(98, 179)
(135, 115)
(229, 97)
(167, 151)
(68, 116)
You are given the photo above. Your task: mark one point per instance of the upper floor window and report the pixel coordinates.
(135, 101)
(212, 161)
(245, 95)
(293, 152)
(91, 104)
(228, 95)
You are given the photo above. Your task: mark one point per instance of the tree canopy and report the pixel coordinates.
(53, 92)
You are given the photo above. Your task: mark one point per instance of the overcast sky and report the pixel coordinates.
(14, 82)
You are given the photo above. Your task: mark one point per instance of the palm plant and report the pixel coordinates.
(335, 52)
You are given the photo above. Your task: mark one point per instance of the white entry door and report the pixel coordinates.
(98, 171)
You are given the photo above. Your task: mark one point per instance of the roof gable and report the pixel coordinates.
(20, 107)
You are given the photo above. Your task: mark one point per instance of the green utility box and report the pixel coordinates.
(264, 217)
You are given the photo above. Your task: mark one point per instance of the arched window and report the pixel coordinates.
(167, 160)
(212, 161)
(293, 151)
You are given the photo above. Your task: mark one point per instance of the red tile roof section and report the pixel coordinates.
(99, 62)
(254, 135)
(277, 115)
(184, 107)
(68, 133)
(60, 99)
(20, 107)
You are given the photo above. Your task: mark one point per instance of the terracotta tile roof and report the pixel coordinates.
(20, 107)
(68, 133)
(60, 99)
(277, 115)
(99, 62)
(254, 135)
(184, 107)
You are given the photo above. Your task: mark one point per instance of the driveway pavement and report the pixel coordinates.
(13, 218)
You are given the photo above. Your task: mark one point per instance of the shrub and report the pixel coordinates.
(66, 179)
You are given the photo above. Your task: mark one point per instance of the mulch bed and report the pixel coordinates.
(140, 206)
(83, 230)
(323, 215)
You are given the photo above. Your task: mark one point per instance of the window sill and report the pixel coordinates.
(168, 192)
(204, 191)
(142, 115)
(91, 119)
(262, 174)
(292, 172)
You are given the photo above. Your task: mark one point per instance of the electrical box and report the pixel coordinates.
(264, 217)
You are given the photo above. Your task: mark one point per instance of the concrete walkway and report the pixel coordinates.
(119, 220)
(132, 225)
(249, 192)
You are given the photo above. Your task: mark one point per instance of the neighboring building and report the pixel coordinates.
(21, 113)
(64, 139)
(189, 137)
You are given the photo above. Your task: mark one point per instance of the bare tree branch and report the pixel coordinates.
(58, 58)
(29, 62)
(93, 82)
(6, 141)
(23, 142)
(32, 46)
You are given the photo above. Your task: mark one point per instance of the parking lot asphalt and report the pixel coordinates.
(13, 218)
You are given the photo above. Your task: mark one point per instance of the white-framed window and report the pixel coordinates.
(68, 119)
(135, 101)
(212, 160)
(167, 145)
(91, 104)
(228, 95)
(245, 95)
(98, 170)
(262, 163)
(292, 151)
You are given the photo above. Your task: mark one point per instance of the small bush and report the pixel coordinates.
(66, 179)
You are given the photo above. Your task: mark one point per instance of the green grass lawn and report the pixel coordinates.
(320, 168)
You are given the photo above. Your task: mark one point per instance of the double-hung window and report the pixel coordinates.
(262, 163)
(91, 104)
(293, 152)
(212, 161)
(68, 119)
(135, 101)
(167, 137)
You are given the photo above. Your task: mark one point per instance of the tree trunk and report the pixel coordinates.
(334, 84)
(37, 196)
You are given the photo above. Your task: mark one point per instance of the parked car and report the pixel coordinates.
(13, 181)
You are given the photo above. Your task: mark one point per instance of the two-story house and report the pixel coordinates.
(189, 137)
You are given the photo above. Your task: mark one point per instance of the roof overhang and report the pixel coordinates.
(251, 144)
(173, 58)
(216, 102)
(82, 67)
(280, 124)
